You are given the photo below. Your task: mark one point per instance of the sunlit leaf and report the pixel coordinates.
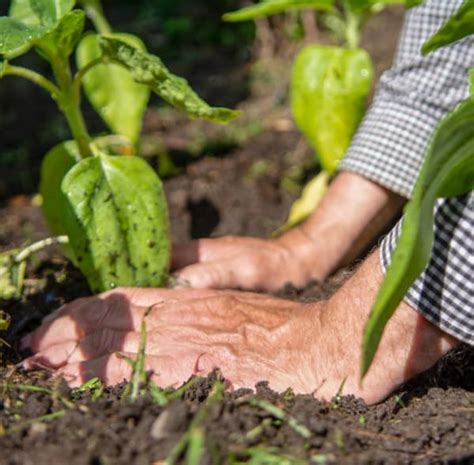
(115, 215)
(447, 171)
(17, 38)
(460, 25)
(329, 88)
(310, 197)
(65, 36)
(362, 6)
(149, 70)
(271, 7)
(111, 89)
(50, 12)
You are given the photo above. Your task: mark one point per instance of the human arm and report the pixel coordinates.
(353, 212)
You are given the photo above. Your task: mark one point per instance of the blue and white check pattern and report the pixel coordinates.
(389, 147)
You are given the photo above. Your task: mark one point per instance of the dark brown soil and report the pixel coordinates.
(237, 183)
(429, 421)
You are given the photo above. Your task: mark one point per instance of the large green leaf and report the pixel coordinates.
(149, 70)
(64, 37)
(448, 171)
(17, 38)
(111, 89)
(328, 91)
(460, 25)
(272, 7)
(115, 215)
(57, 162)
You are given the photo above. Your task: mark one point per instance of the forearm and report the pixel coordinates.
(352, 214)
(410, 344)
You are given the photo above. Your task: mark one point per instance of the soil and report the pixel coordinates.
(228, 183)
(428, 421)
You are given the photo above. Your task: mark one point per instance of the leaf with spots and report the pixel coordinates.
(111, 89)
(150, 70)
(116, 217)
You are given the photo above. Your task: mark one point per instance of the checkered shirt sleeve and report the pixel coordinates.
(389, 147)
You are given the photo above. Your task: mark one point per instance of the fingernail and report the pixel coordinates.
(176, 282)
(25, 342)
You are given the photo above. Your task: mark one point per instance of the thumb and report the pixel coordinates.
(215, 275)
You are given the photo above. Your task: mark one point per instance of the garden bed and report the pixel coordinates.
(428, 421)
(238, 181)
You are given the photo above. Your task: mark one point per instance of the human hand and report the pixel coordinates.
(250, 337)
(239, 263)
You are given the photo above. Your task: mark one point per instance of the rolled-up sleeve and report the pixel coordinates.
(389, 147)
(410, 100)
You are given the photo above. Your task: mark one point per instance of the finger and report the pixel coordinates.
(213, 275)
(92, 346)
(82, 320)
(167, 371)
(205, 250)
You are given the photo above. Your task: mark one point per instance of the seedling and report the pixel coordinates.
(279, 414)
(329, 84)
(107, 201)
(192, 442)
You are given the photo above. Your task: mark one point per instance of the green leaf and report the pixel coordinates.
(363, 6)
(111, 89)
(329, 87)
(22, 11)
(50, 12)
(312, 194)
(115, 215)
(57, 162)
(447, 171)
(12, 275)
(149, 70)
(40, 12)
(460, 25)
(17, 38)
(64, 37)
(272, 7)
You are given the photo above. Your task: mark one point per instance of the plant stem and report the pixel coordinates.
(84, 70)
(37, 246)
(95, 13)
(352, 29)
(33, 76)
(70, 99)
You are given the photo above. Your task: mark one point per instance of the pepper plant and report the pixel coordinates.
(329, 84)
(103, 203)
(447, 171)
